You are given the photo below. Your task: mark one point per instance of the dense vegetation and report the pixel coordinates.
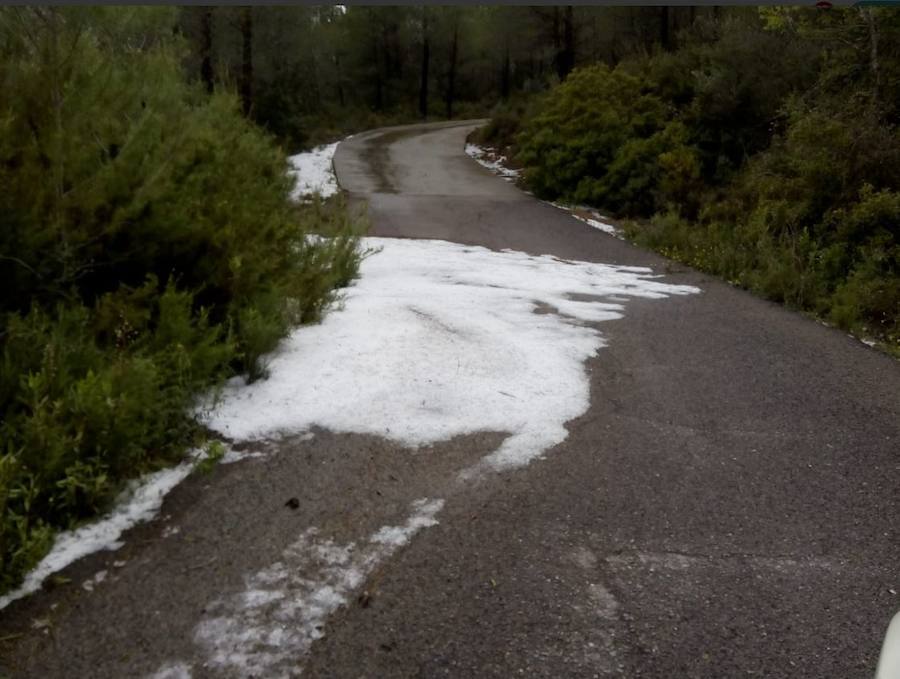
(148, 248)
(763, 147)
(310, 74)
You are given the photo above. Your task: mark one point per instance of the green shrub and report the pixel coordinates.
(868, 300)
(148, 249)
(766, 146)
(504, 124)
(596, 117)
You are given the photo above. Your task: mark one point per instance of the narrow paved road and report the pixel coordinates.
(728, 505)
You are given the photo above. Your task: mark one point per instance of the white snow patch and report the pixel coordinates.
(266, 629)
(173, 671)
(314, 173)
(436, 340)
(138, 503)
(89, 584)
(493, 162)
(868, 342)
(231, 455)
(596, 220)
(497, 164)
(597, 224)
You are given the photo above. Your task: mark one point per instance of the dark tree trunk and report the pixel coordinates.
(504, 74)
(379, 93)
(206, 68)
(423, 87)
(613, 52)
(557, 42)
(567, 62)
(340, 80)
(451, 76)
(247, 58)
(563, 41)
(556, 29)
(664, 37)
(873, 53)
(388, 57)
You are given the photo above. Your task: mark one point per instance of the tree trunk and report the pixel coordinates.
(247, 58)
(504, 74)
(451, 76)
(423, 87)
(564, 41)
(557, 49)
(388, 59)
(379, 94)
(206, 68)
(664, 38)
(59, 165)
(555, 29)
(873, 54)
(568, 58)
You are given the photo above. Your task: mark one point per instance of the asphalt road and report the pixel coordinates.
(727, 507)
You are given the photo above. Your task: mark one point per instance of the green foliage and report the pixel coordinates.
(766, 146)
(504, 124)
(317, 73)
(148, 248)
(603, 138)
(869, 298)
(212, 455)
(735, 77)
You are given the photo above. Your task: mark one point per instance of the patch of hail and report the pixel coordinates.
(436, 340)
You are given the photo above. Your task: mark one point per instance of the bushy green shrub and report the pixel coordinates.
(604, 138)
(766, 146)
(598, 116)
(504, 124)
(868, 297)
(148, 248)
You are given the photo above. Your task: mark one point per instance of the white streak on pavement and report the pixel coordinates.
(266, 629)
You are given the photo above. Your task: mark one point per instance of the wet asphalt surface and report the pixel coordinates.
(727, 507)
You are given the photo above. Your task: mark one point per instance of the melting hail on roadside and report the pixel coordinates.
(262, 630)
(283, 609)
(433, 341)
(436, 340)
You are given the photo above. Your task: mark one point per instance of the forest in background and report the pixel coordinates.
(313, 74)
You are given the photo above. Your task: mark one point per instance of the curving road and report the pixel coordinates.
(728, 506)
